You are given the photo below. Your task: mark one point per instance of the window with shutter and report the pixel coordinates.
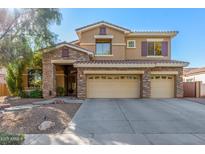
(165, 48)
(155, 48)
(144, 48)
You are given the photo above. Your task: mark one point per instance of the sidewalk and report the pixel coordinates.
(56, 139)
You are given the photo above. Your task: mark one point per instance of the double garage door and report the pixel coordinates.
(113, 86)
(128, 86)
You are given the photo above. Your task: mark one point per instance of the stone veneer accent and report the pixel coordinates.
(145, 80)
(146, 84)
(49, 69)
(81, 84)
(49, 74)
(179, 84)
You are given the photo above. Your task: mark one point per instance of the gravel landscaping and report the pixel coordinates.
(24, 101)
(27, 121)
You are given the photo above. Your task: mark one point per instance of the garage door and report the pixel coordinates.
(162, 86)
(113, 86)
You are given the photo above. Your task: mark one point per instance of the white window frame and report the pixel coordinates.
(131, 41)
(109, 54)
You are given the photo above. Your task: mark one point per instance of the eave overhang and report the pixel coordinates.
(65, 44)
(154, 33)
(132, 64)
(101, 23)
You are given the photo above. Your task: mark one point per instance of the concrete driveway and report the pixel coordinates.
(136, 121)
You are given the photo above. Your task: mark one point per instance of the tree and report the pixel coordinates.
(23, 31)
(36, 62)
(29, 26)
(14, 77)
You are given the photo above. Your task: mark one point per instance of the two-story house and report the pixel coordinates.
(109, 61)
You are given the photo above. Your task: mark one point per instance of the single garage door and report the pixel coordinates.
(162, 86)
(113, 86)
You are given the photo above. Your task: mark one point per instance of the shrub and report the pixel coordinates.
(11, 81)
(34, 93)
(37, 83)
(60, 91)
(11, 139)
(24, 94)
(37, 93)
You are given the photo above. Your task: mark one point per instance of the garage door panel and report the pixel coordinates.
(162, 86)
(113, 87)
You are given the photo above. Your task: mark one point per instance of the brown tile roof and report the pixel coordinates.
(126, 29)
(131, 62)
(156, 31)
(69, 44)
(194, 71)
(74, 41)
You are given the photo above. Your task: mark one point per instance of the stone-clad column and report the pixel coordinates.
(81, 84)
(146, 85)
(179, 83)
(49, 80)
(46, 80)
(53, 86)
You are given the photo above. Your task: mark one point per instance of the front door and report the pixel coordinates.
(71, 81)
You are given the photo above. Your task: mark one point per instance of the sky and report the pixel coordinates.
(188, 45)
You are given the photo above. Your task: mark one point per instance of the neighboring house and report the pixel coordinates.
(3, 87)
(196, 74)
(2, 75)
(109, 61)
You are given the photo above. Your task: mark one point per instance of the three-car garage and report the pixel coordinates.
(128, 86)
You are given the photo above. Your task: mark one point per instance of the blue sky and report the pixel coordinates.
(188, 45)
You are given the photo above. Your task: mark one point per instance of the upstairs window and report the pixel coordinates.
(103, 47)
(131, 44)
(65, 52)
(102, 31)
(154, 48)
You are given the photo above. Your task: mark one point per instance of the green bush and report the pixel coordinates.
(11, 81)
(37, 93)
(24, 94)
(14, 77)
(34, 93)
(11, 139)
(37, 83)
(60, 91)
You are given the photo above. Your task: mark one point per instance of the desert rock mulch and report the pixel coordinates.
(27, 121)
(24, 101)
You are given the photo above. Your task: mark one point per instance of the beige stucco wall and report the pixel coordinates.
(88, 36)
(119, 47)
(135, 53)
(87, 40)
(60, 76)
